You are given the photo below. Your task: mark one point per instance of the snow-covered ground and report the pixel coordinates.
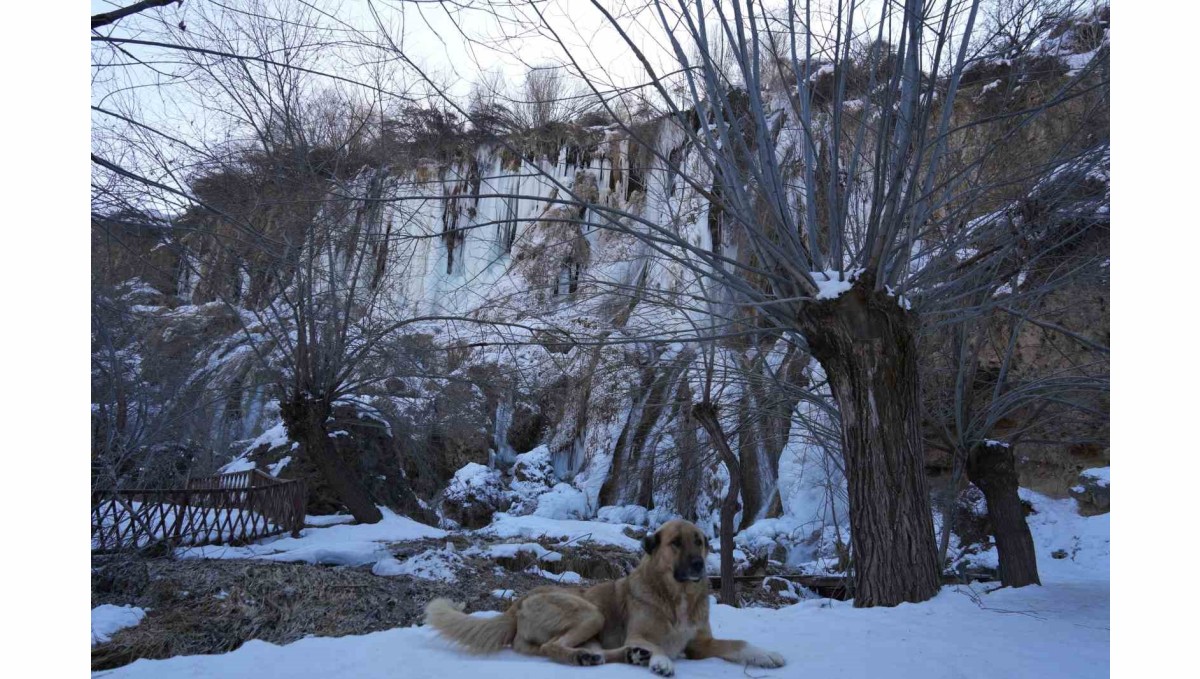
(441, 564)
(338, 544)
(1070, 547)
(1059, 630)
(567, 530)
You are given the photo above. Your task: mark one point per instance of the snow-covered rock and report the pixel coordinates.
(1091, 491)
(532, 476)
(474, 495)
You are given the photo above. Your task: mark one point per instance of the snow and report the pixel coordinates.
(328, 520)
(512, 549)
(430, 565)
(277, 467)
(764, 534)
(108, 619)
(1077, 62)
(1058, 629)
(1057, 526)
(241, 464)
(634, 515)
(1007, 288)
(272, 438)
(563, 501)
(1082, 542)
(825, 69)
(477, 484)
(338, 545)
(791, 590)
(533, 475)
(564, 578)
(533, 527)
(831, 284)
(1055, 630)
(1099, 474)
(903, 301)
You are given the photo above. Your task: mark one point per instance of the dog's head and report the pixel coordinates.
(680, 548)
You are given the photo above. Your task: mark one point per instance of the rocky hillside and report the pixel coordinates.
(562, 383)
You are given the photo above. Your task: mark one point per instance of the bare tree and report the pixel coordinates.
(832, 206)
(838, 206)
(982, 377)
(105, 18)
(272, 221)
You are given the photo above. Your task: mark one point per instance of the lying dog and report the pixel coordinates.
(650, 617)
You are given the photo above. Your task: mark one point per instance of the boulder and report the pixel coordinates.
(475, 494)
(532, 476)
(1091, 491)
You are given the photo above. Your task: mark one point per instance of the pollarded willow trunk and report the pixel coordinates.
(305, 420)
(865, 342)
(992, 467)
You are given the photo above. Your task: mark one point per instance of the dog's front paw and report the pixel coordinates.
(588, 658)
(637, 656)
(760, 657)
(662, 666)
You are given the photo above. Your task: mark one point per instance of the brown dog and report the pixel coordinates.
(650, 617)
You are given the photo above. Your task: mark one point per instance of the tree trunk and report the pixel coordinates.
(949, 509)
(992, 467)
(729, 510)
(706, 414)
(690, 470)
(748, 446)
(305, 421)
(865, 342)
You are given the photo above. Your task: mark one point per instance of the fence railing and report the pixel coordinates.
(226, 509)
(234, 481)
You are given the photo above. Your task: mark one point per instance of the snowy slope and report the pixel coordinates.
(1058, 630)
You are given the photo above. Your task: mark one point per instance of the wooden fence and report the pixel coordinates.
(227, 509)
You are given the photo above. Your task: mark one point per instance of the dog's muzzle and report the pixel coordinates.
(693, 573)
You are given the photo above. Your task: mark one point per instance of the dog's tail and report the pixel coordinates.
(478, 635)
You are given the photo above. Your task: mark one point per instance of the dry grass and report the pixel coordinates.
(214, 606)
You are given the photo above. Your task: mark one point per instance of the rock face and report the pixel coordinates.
(567, 407)
(1091, 491)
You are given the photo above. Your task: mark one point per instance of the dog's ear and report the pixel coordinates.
(650, 543)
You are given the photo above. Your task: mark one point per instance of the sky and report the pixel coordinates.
(429, 48)
(455, 42)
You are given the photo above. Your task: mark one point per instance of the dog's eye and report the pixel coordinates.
(677, 542)
(699, 541)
